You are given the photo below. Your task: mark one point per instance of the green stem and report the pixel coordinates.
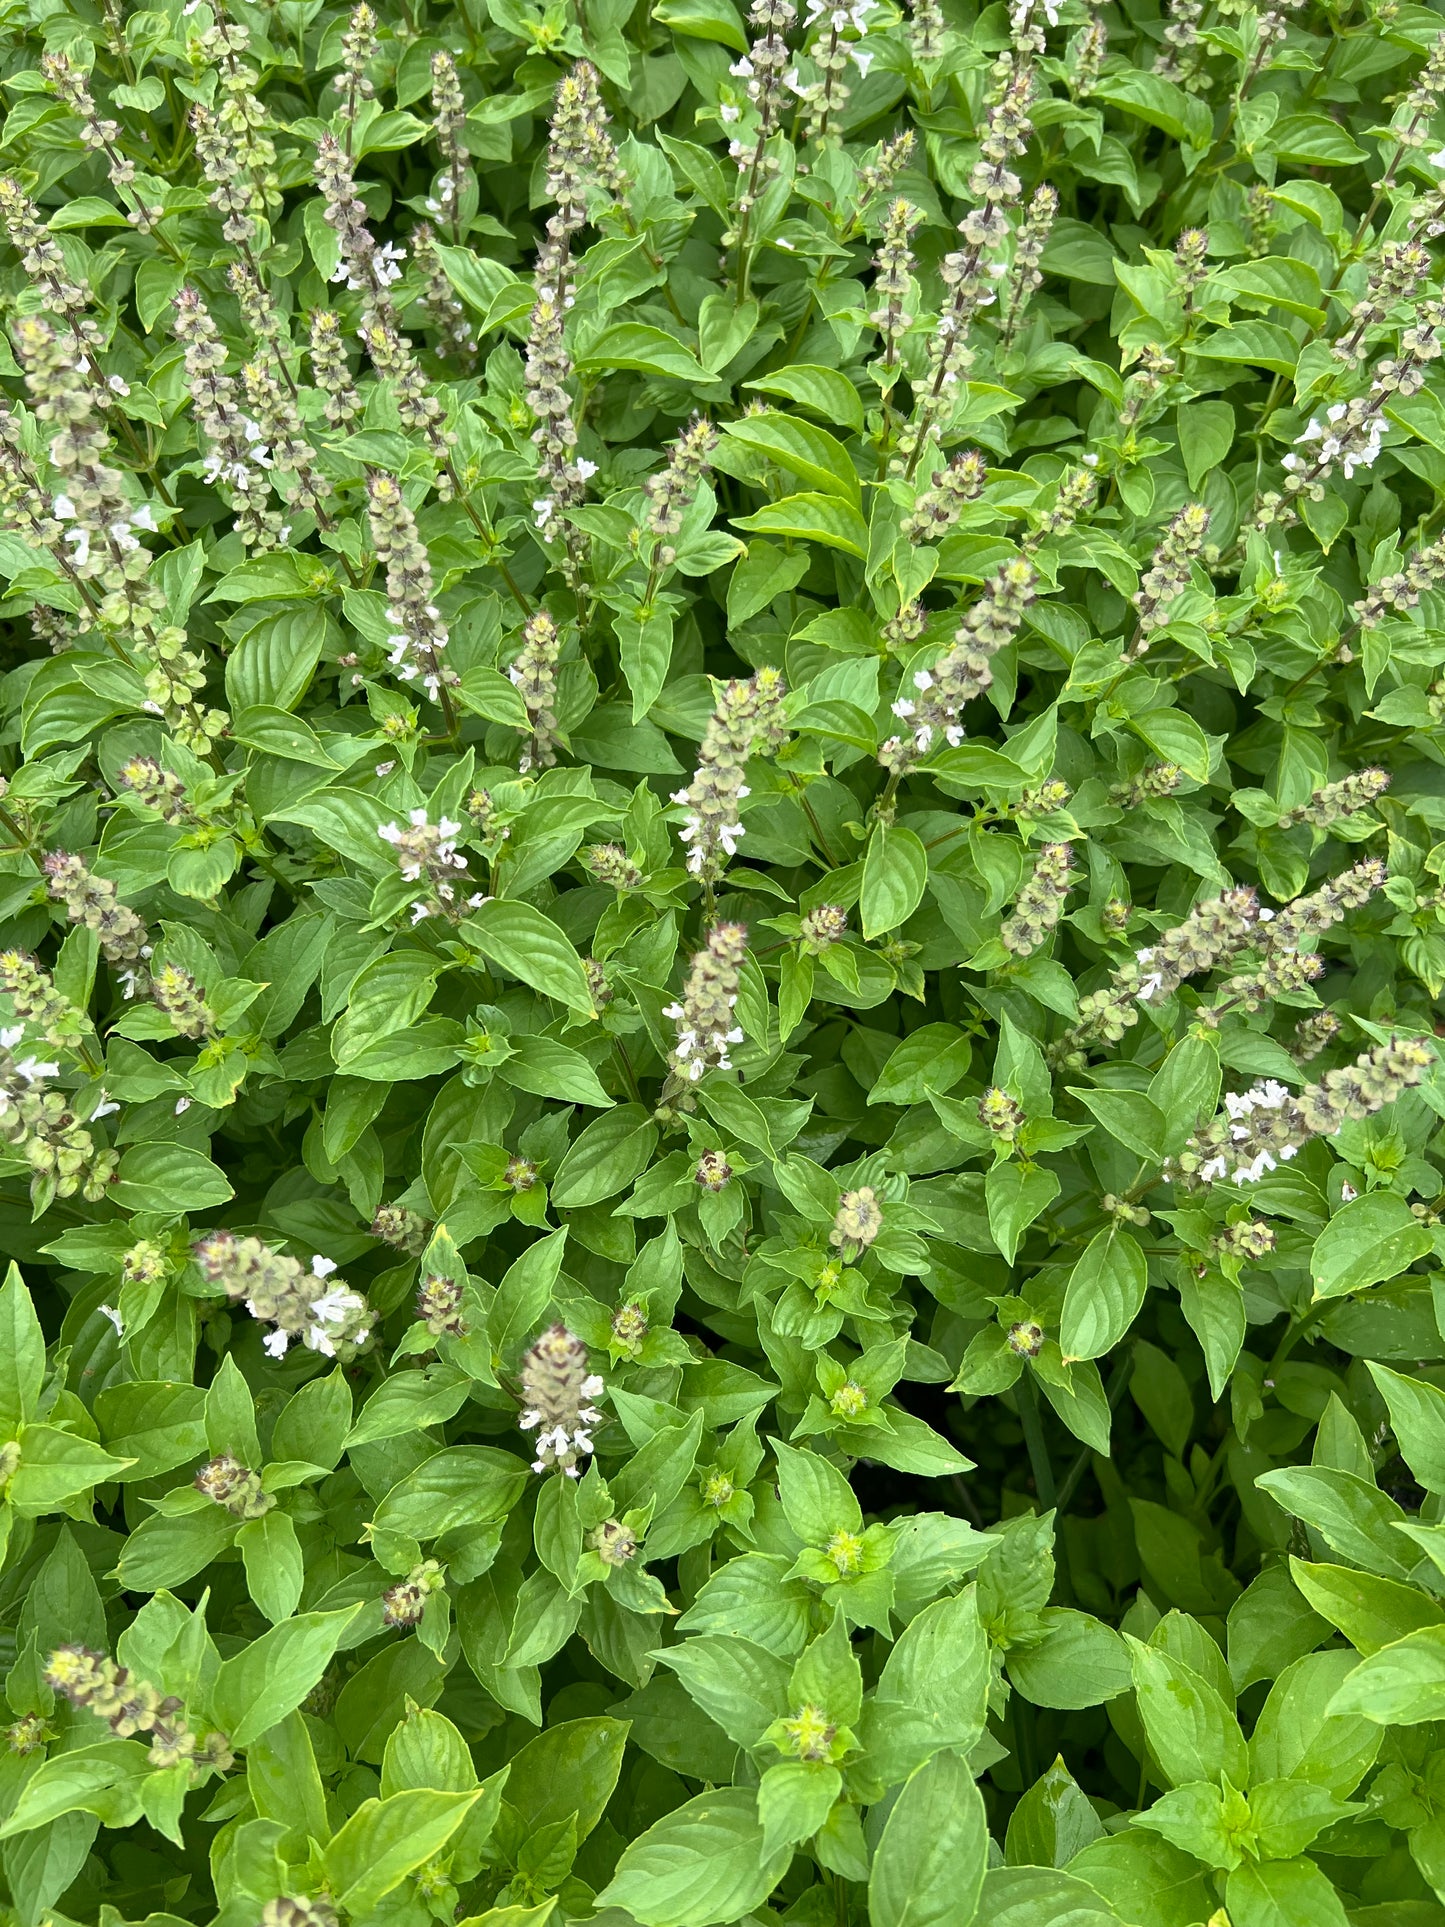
(1038, 1447)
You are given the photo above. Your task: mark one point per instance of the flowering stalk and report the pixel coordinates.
(993, 183)
(327, 1318)
(449, 113)
(1026, 274)
(39, 1126)
(95, 902)
(894, 262)
(762, 68)
(1334, 801)
(238, 454)
(1266, 1126)
(427, 853)
(558, 1390)
(129, 1705)
(1167, 576)
(1040, 903)
(534, 676)
(749, 717)
(959, 675)
(671, 493)
(358, 44)
(704, 1014)
(1212, 931)
(420, 635)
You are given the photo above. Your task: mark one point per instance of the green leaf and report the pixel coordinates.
(628, 344)
(275, 1571)
(1206, 435)
(170, 1179)
(271, 1676)
(703, 1862)
(528, 945)
(1105, 1292)
(822, 391)
(1371, 1239)
(550, 1069)
(1192, 1732)
(1016, 1195)
(931, 1858)
(605, 1157)
(895, 876)
(810, 453)
(385, 1840)
(828, 519)
(22, 1355)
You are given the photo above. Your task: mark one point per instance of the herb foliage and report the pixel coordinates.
(723, 829)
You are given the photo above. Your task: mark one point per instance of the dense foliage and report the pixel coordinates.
(752, 712)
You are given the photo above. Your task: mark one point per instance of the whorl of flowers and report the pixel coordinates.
(749, 719)
(558, 1393)
(670, 493)
(234, 1487)
(130, 1705)
(427, 853)
(403, 1604)
(857, 1222)
(703, 1015)
(1212, 931)
(963, 672)
(1040, 903)
(277, 1291)
(420, 635)
(38, 1004)
(175, 991)
(1167, 576)
(533, 674)
(438, 1303)
(402, 1228)
(95, 902)
(1266, 1126)
(820, 928)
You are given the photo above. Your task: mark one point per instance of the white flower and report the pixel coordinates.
(863, 58)
(1348, 1193)
(726, 113)
(275, 1342)
(182, 1104)
(543, 509)
(110, 1312)
(1151, 986)
(585, 469)
(322, 1267)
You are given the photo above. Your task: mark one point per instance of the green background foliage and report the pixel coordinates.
(1012, 1491)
